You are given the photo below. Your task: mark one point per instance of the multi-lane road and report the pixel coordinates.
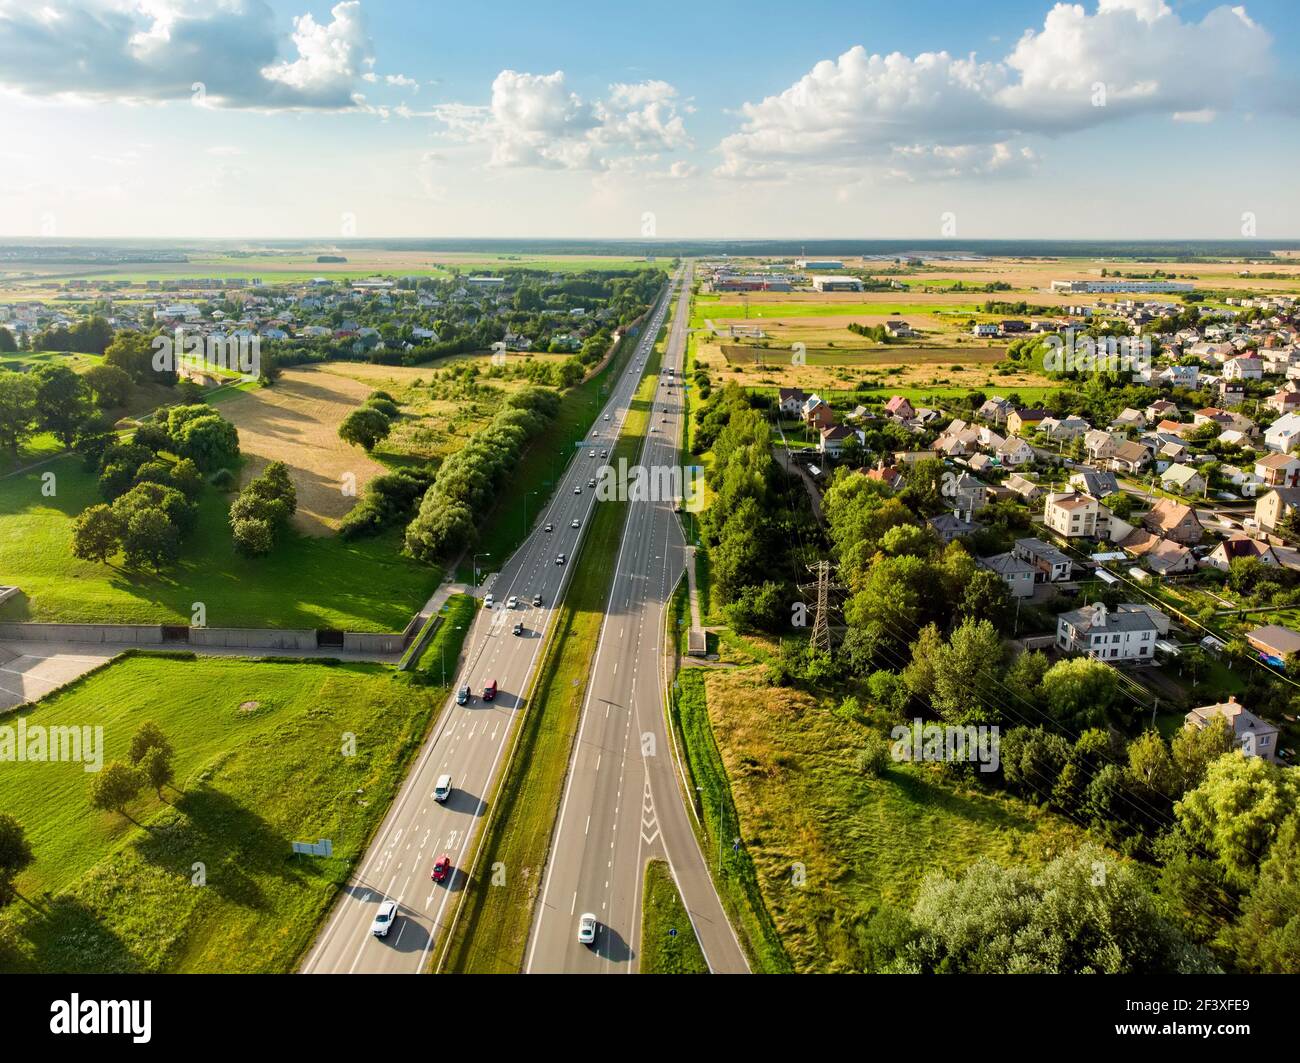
(623, 803)
(470, 742)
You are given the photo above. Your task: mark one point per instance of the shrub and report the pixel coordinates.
(874, 757)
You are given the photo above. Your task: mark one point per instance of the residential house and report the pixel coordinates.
(1160, 410)
(995, 410)
(1100, 444)
(1274, 643)
(1095, 482)
(1273, 507)
(899, 329)
(1130, 457)
(898, 407)
(1015, 572)
(1076, 516)
(791, 401)
(1180, 376)
(1183, 480)
(1283, 434)
(1255, 737)
(1174, 520)
(1162, 556)
(1125, 633)
(1279, 470)
(831, 443)
(1015, 451)
(887, 474)
(1019, 421)
(1239, 546)
(1129, 418)
(1050, 564)
(950, 526)
(1063, 429)
(817, 414)
(1284, 401)
(1243, 367)
(1025, 488)
(968, 495)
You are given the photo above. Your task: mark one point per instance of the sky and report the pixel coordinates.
(261, 119)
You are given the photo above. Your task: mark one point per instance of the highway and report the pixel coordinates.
(470, 742)
(623, 802)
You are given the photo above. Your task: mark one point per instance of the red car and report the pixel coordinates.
(441, 868)
(490, 690)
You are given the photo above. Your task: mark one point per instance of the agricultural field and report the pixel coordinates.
(258, 763)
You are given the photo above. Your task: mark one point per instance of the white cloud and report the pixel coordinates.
(159, 50)
(537, 121)
(935, 114)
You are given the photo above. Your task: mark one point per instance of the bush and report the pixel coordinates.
(252, 537)
(874, 757)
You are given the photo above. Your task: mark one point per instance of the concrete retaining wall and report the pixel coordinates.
(133, 634)
(252, 638)
(364, 642)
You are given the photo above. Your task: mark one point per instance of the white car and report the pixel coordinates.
(384, 919)
(513, 603)
(591, 453)
(489, 601)
(587, 926)
(607, 417)
(575, 523)
(442, 788)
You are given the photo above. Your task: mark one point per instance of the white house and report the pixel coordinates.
(1127, 633)
(1283, 434)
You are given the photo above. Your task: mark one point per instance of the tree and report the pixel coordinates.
(115, 787)
(1032, 759)
(210, 441)
(1266, 939)
(1237, 811)
(109, 386)
(15, 855)
(97, 533)
(150, 539)
(148, 736)
(132, 352)
(1082, 913)
(7, 343)
(17, 409)
(156, 765)
(1079, 692)
(1194, 749)
(365, 427)
(987, 597)
(63, 406)
(440, 530)
(252, 536)
(1150, 763)
(966, 671)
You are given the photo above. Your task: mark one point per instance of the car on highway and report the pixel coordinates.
(604, 453)
(577, 489)
(664, 417)
(559, 559)
(513, 602)
(587, 926)
(384, 919)
(607, 417)
(575, 523)
(537, 599)
(442, 788)
(518, 629)
(549, 528)
(591, 482)
(490, 690)
(441, 868)
(591, 453)
(463, 695)
(489, 601)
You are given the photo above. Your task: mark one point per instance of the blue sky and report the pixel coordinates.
(243, 118)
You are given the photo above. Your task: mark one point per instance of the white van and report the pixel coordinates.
(442, 791)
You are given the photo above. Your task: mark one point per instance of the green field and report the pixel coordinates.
(204, 879)
(668, 942)
(492, 927)
(306, 582)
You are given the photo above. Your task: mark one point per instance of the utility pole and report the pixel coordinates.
(821, 632)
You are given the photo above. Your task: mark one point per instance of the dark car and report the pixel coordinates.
(463, 696)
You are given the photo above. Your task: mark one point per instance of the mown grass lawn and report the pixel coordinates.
(306, 582)
(668, 942)
(204, 880)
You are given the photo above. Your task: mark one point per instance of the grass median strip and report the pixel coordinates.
(491, 933)
(668, 942)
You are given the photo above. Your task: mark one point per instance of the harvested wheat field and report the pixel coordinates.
(296, 422)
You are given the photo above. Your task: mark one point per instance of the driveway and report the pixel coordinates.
(29, 670)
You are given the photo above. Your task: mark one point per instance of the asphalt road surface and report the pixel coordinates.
(469, 742)
(623, 802)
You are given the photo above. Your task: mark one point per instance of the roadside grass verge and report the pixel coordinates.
(491, 931)
(668, 942)
(437, 663)
(305, 582)
(204, 880)
(732, 868)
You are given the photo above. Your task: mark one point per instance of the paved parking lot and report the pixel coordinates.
(29, 670)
